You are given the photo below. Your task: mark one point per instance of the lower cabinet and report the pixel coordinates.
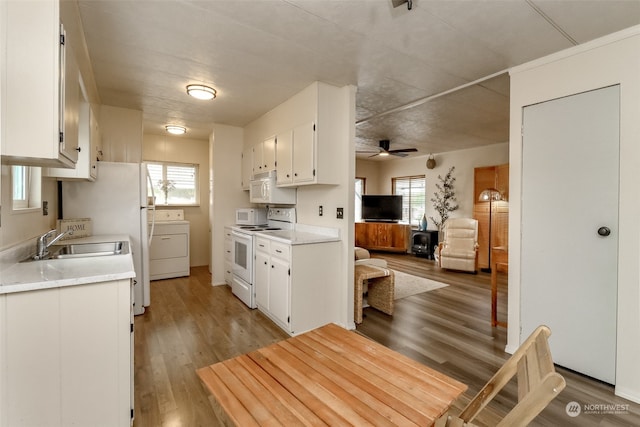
(383, 236)
(228, 256)
(297, 286)
(67, 356)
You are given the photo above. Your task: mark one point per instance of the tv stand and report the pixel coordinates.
(383, 236)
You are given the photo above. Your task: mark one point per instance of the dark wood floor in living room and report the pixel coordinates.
(191, 324)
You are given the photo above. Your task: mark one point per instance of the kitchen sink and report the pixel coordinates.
(85, 250)
(77, 250)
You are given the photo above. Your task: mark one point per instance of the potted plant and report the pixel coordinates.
(444, 201)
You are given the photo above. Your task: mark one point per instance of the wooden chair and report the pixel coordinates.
(538, 384)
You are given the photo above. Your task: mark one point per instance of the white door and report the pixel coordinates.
(569, 261)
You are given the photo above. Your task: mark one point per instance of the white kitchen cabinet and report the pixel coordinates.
(262, 266)
(89, 148)
(295, 286)
(169, 251)
(284, 156)
(67, 356)
(228, 256)
(264, 156)
(41, 85)
(309, 157)
(246, 168)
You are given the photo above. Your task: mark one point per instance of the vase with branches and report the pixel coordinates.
(444, 201)
(165, 186)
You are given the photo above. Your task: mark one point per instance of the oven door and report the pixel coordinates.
(242, 255)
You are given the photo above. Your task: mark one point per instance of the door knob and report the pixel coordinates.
(604, 231)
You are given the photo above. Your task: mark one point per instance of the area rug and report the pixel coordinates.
(408, 284)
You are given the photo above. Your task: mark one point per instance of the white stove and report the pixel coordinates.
(243, 251)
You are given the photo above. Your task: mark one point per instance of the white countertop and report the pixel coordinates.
(303, 235)
(56, 273)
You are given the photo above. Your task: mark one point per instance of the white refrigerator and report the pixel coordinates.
(117, 203)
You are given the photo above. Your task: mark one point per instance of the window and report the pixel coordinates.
(412, 190)
(360, 190)
(174, 183)
(25, 183)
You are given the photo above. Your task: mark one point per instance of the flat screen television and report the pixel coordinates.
(383, 208)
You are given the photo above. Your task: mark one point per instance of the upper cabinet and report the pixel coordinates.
(264, 156)
(41, 84)
(89, 148)
(246, 168)
(305, 153)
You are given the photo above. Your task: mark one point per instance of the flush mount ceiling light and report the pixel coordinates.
(201, 91)
(175, 129)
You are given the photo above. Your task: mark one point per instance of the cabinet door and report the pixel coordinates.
(284, 158)
(269, 155)
(399, 236)
(383, 235)
(247, 168)
(72, 94)
(304, 138)
(361, 234)
(31, 83)
(256, 159)
(279, 290)
(261, 281)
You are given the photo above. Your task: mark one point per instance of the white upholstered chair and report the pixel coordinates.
(459, 250)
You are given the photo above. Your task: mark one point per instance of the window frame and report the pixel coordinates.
(29, 186)
(159, 196)
(411, 221)
(358, 197)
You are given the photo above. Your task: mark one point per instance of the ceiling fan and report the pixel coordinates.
(397, 3)
(384, 150)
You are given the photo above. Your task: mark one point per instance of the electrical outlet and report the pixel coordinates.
(45, 208)
(340, 213)
(320, 210)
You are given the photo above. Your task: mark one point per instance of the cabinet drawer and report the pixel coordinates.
(280, 250)
(262, 244)
(169, 246)
(228, 246)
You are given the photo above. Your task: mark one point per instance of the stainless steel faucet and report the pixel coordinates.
(43, 242)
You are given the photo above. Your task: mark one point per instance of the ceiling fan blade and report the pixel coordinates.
(404, 150)
(398, 154)
(377, 154)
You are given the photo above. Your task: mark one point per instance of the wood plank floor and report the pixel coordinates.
(191, 324)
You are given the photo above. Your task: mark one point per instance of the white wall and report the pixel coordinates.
(180, 149)
(464, 161)
(225, 151)
(614, 59)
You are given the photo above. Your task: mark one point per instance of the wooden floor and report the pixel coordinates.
(191, 324)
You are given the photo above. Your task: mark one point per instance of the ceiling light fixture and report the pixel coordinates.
(201, 91)
(175, 129)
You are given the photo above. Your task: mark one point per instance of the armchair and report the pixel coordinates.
(459, 250)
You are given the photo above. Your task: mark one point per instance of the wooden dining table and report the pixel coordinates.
(328, 376)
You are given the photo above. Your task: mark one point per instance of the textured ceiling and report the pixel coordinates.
(258, 53)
